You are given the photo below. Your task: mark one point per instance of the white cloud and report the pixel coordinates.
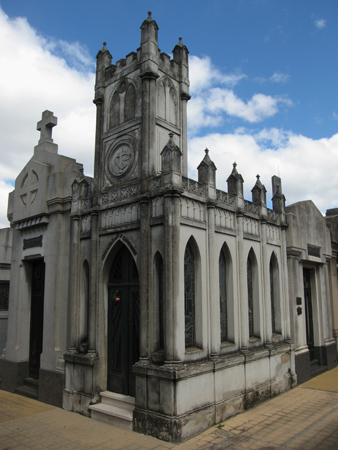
(215, 101)
(211, 108)
(279, 77)
(307, 166)
(34, 79)
(204, 74)
(320, 23)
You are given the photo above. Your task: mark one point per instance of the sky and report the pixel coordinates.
(263, 84)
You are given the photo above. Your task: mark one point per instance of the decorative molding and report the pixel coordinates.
(111, 243)
(251, 207)
(192, 209)
(157, 207)
(224, 197)
(119, 193)
(250, 226)
(119, 216)
(272, 232)
(272, 215)
(193, 186)
(86, 223)
(224, 219)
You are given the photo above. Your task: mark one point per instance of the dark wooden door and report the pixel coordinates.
(36, 325)
(308, 312)
(123, 323)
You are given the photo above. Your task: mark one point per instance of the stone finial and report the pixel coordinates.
(45, 125)
(207, 170)
(235, 181)
(259, 193)
(278, 199)
(171, 156)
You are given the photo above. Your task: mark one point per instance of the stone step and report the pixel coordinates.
(28, 391)
(317, 370)
(112, 415)
(118, 400)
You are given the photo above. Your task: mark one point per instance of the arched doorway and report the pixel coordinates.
(123, 323)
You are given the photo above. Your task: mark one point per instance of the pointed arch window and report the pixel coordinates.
(253, 296)
(250, 298)
(223, 297)
(130, 103)
(115, 110)
(189, 296)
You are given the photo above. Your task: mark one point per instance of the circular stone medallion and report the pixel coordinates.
(121, 160)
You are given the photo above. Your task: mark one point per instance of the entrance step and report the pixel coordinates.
(114, 409)
(30, 388)
(316, 369)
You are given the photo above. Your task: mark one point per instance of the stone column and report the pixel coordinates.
(214, 306)
(284, 291)
(98, 148)
(171, 275)
(184, 137)
(243, 289)
(93, 283)
(266, 295)
(147, 160)
(144, 278)
(74, 283)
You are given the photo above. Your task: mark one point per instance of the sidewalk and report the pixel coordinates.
(305, 417)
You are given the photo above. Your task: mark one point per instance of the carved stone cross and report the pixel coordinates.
(45, 126)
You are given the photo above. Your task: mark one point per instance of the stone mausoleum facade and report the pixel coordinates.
(147, 299)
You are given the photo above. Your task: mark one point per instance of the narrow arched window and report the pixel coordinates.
(223, 297)
(189, 296)
(130, 103)
(115, 111)
(275, 295)
(250, 297)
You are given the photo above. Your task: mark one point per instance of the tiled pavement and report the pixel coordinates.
(303, 418)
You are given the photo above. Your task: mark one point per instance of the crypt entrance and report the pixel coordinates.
(36, 320)
(123, 323)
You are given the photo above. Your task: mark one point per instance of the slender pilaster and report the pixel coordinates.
(147, 160)
(287, 316)
(98, 146)
(214, 306)
(144, 278)
(266, 295)
(74, 278)
(184, 138)
(171, 275)
(93, 283)
(243, 290)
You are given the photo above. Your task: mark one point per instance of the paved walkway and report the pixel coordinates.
(303, 418)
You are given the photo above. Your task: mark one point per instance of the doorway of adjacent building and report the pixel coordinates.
(123, 323)
(309, 312)
(36, 323)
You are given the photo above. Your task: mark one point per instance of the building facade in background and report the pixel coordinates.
(150, 300)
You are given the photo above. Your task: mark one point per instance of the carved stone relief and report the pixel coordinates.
(224, 219)
(192, 209)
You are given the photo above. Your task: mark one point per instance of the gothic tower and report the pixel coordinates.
(140, 100)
